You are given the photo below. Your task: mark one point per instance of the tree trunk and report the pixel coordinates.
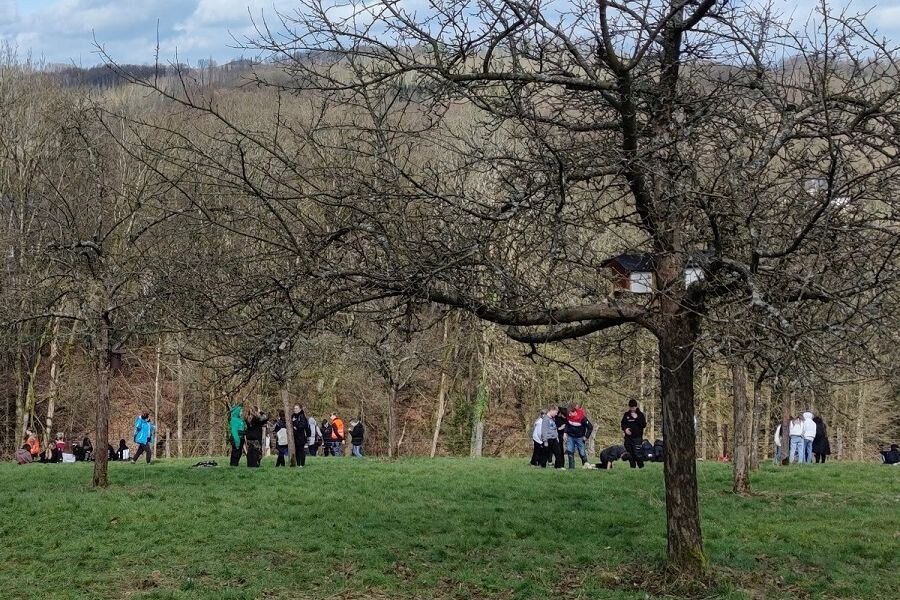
(212, 422)
(740, 456)
(704, 409)
(677, 336)
(286, 407)
(858, 447)
(442, 389)
(156, 392)
(392, 421)
(179, 408)
(785, 398)
(103, 369)
(721, 436)
(481, 401)
(756, 425)
(53, 392)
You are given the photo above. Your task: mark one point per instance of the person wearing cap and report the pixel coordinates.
(633, 424)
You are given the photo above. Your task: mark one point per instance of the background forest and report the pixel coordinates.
(86, 215)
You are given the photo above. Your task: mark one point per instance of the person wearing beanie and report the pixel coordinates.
(633, 424)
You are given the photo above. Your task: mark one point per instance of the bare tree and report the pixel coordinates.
(492, 156)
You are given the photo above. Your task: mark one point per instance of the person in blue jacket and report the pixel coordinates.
(143, 436)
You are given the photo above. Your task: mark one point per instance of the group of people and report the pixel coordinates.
(62, 450)
(247, 433)
(808, 440)
(559, 428)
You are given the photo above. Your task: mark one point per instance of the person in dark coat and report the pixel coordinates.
(821, 447)
(300, 425)
(255, 421)
(633, 424)
(892, 456)
(357, 437)
(610, 455)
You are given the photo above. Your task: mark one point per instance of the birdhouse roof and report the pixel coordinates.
(634, 262)
(631, 263)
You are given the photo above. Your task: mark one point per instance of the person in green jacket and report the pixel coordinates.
(236, 434)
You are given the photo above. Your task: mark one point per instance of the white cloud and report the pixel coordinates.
(64, 30)
(7, 12)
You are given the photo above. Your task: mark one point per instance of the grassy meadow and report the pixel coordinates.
(446, 528)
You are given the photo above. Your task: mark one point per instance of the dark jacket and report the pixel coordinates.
(561, 423)
(255, 428)
(820, 444)
(300, 425)
(891, 457)
(612, 454)
(636, 424)
(357, 435)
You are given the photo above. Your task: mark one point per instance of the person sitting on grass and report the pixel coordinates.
(60, 442)
(611, 454)
(892, 456)
(23, 455)
(123, 452)
(50, 455)
(88, 448)
(34, 446)
(68, 453)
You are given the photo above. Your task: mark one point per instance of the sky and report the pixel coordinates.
(63, 31)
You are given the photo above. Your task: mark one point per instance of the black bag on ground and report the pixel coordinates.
(647, 451)
(659, 451)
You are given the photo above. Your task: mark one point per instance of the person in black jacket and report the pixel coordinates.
(357, 437)
(892, 456)
(610, 455)
(821, 447)
(300, 425)
(633, 424)
(255, 420)
(560, 417)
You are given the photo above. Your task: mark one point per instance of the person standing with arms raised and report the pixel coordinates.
(633, 424)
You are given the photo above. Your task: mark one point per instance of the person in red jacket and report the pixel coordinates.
(337, 435)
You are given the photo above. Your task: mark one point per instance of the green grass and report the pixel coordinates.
(435, 529)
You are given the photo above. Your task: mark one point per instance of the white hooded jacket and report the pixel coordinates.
(536, 431)
(809, 427)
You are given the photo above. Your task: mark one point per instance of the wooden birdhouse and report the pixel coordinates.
(631, 273)
(635, 272)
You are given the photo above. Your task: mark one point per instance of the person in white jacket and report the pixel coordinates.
(809, 434)
(797, 446)
(778, 451)
(536, 437)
